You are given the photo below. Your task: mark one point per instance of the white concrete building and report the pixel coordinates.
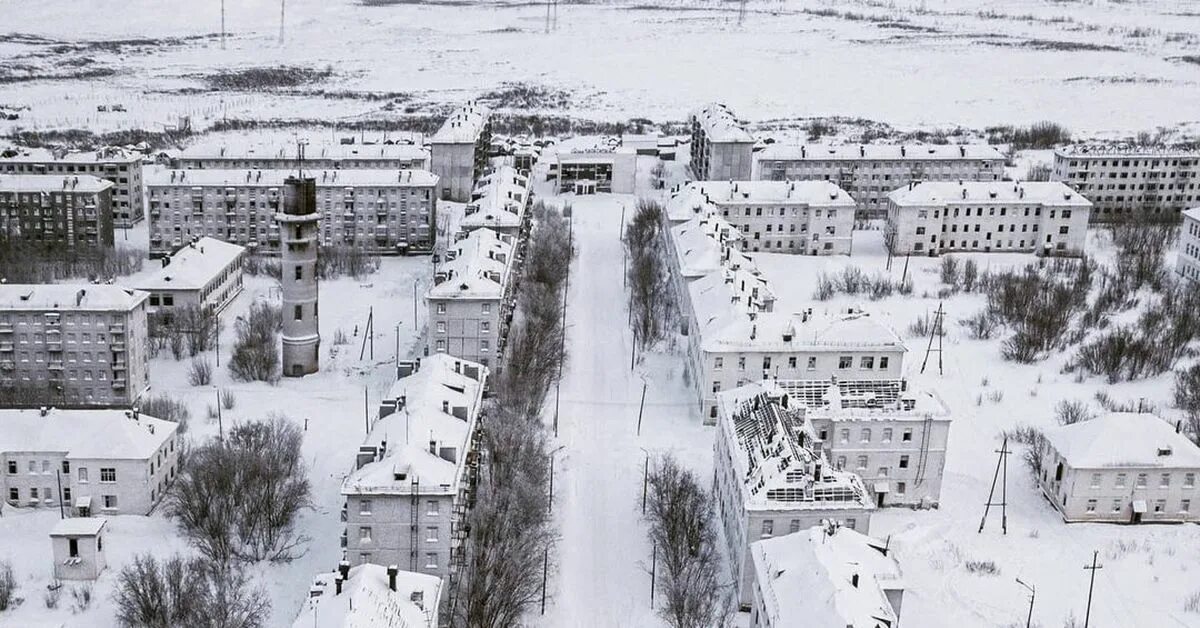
(205, 274)
(1124, 179)
(471, 300)
(108, 462)
(500, 202)
(1122, 467)
(301, 329)
(890, 435)
(827, 577)
(72, 345)
(802, 217)
(414, 478)
(459, 151)
(870, 171)
(220, 154)
(596, 169)
(721, 147)
(771, 479)
(56, 212)
(1046, 218)
(78, 548)
(371, 595)
(123, 168)
(1187, 264)
(379, 211)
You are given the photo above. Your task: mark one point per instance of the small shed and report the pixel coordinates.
(78, 546)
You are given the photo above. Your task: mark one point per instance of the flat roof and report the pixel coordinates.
(888, 152)
(945, 192)
(78, 526)
(68, 297)
(194, 265)
(52, 183)
(242, 177)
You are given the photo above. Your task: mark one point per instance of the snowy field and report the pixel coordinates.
(1102, 67)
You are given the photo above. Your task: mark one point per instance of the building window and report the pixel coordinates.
(887, 434)
(907, 435)
(431, 534)
(1095, 480)
(718, 362)
(485, 327)
(441, 308)
(1091, 505)
(66, 496)
(1185, 505)
(298, 312)
(299, 273)
(110, 502)
(431, 560)
(83, 474)
(845, 362)
(1164, 480)
(841, 463)
(1121, 478)
(1116, 505)
(108, 474)
(12, 467)
(883, 361)
(883, 472)
(812, 363)
(1160, 505)
(1141, 480)
(434, 507)
(486, 307)
(844, 435)
(364, 534)
(484, 346)
(441, 327)
(794, 526)
(364, 506)
(904, 462)
(867, 362)
(66, 467)
(1189, 480)
(768, 527)
(865, 435)
(862, 463)
(901, 488)
(441, 345)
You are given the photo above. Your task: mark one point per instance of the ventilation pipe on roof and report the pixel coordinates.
(962, 150)
(862, 150)
(337, 584)
(344, 569)
(854, 581)
(903, 152)
(433, 447)
(43, 411)
(392, 572)
(964, 193)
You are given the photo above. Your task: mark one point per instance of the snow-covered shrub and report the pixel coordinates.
(1112, 405)
(980, 326)
(167, 409)
(1191, 604)
(52, 595)
(338, 261)
(970, 275)
(228, 399)
(256, 350)
(1072, 412)
(187, 592)
(1143, 241)
(1152, 346)
(949, 271)
(8, 586)
(1037, 304)
(982, 567)
(200, 372)
(81, 598)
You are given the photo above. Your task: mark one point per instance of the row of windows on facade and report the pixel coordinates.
(485, 327)
(1136, 163)
(1126, 175)
(38, 168)
(874, 164)
(484, 347)
(999, 244)
(766, 244)
(107, 474)
(1141, 480)
(50, 320)
(1063, 230)
(768, 526)
(864, 436)
(46, 495)
(24, 201)
(966, 211)
(1160, 505)
(758, 211)
(484, 308)
(866, 362)
(829, 230)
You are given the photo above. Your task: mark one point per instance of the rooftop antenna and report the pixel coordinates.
(300, 144)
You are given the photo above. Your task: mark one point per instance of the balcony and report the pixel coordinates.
(54, 346)
(54, 366)
(117, 345)
(5, 328)
(116, 329)
(7, 365)
(118, 384)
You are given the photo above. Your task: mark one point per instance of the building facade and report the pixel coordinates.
(406, 500)
(868, 172)
(770, 479)
(301, 337)
(109, 462)
(601, 169)
(500, 202)
(1046, 218)
(323, 156)
(459, 151)
(721, 147)
(121, 167)
(471, 300)
(77, 544)
(801, 217)
(380, 212)
(1122, 179)
(72, 212)
(205, 275)
(1122, 467)
(72, 345)
(1187, 264)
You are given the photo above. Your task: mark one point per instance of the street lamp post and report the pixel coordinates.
(1032, 594)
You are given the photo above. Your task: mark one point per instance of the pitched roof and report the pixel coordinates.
(707, 197)
(367, 601)
(73, 297)
(875, 152)
(463, 126)
(1193, 213)
(244, 177)
(221, 148)
(108, 154)
(808, 331)
(1123, 439)
(194, 265)
(720, 125)
(101, 434)
(705, 244)
(499, 200)
(478, 270)
(943, 192)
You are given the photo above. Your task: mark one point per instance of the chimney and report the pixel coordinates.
(445, 406)
(433, 447)
(854, 581)
(43, 411)
(79, 296)
(344, 570)
(903, 152)
(337, 584)
(136, 413)
(753, 331)
(962, 150)
(392, 572)
(862, 151)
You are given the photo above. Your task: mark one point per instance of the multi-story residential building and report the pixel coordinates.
(217, 155)
(108, 462)
(703, 245)
(870, 171)
(121, 167)
(500, 202)
(1047, 218)
(378, 211)
(406, 500)
(827, 577)
(1187, 265)
(205, 274)
(721, 147)
(771, 479)
(803, 217)
(72, 345)
(459, 151)
(1122, 467)
(891, 436)
(72, 212)
(610, 169)
(371, 595)
(470, 303)
(1122, 179)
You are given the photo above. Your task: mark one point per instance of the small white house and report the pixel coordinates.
(78, 546)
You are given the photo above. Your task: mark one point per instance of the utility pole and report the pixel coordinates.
(645, 480)
(938, 317)
(366, 412)
(222, 24)
(545, 568)
(414, 307)
(58, 476)
(1087, 617)
(653, 566)
(281, 15)
(641, 408)
(1032, 594)
(904, 275)
(220, 421)
(397, 347)
(1001, 472)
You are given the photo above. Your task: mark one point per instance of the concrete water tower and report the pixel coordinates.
(298, 266)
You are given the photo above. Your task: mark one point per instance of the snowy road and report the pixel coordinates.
(602, 577)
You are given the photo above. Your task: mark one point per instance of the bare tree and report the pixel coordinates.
(256, 350)
(650, 296)
(195, 592)
(1187, 398)
(1072, 412)
(8, 586)
(200, 372)
(680, 516)
(167, 409)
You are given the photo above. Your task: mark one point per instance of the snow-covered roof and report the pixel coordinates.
(720, 125)
(463, 126)
(52, 183)
(774, 453)
(110, 154)
(242, 177)
(879, 152)
(73, 297)
(436, 407)
(367, 600)
(704, 244)
(100, 434)
(808, 579)
(1192, 214)
(862, 400)
(479, 268)
(726, 296)
(807, 331)
(78, 526)
(1124, 439)
(194, 265)
(1099, 151)
(928, 193)
(698, 198)
(221, 148)
(498, 201)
